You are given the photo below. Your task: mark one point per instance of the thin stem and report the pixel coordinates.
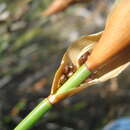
(34, 116)
(78, 77)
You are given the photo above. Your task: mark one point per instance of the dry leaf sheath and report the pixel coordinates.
(115, 37)
(106, 52)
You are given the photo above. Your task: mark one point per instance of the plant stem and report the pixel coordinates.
(78, 77)
(34, 116)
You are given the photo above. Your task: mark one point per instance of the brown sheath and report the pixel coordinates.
(115, 38)
(60, 5)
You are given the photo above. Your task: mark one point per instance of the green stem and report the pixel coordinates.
(34, 116)
(78, 77)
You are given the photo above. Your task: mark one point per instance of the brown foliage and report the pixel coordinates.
(60, 5)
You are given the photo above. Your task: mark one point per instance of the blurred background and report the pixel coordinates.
(31, 48)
